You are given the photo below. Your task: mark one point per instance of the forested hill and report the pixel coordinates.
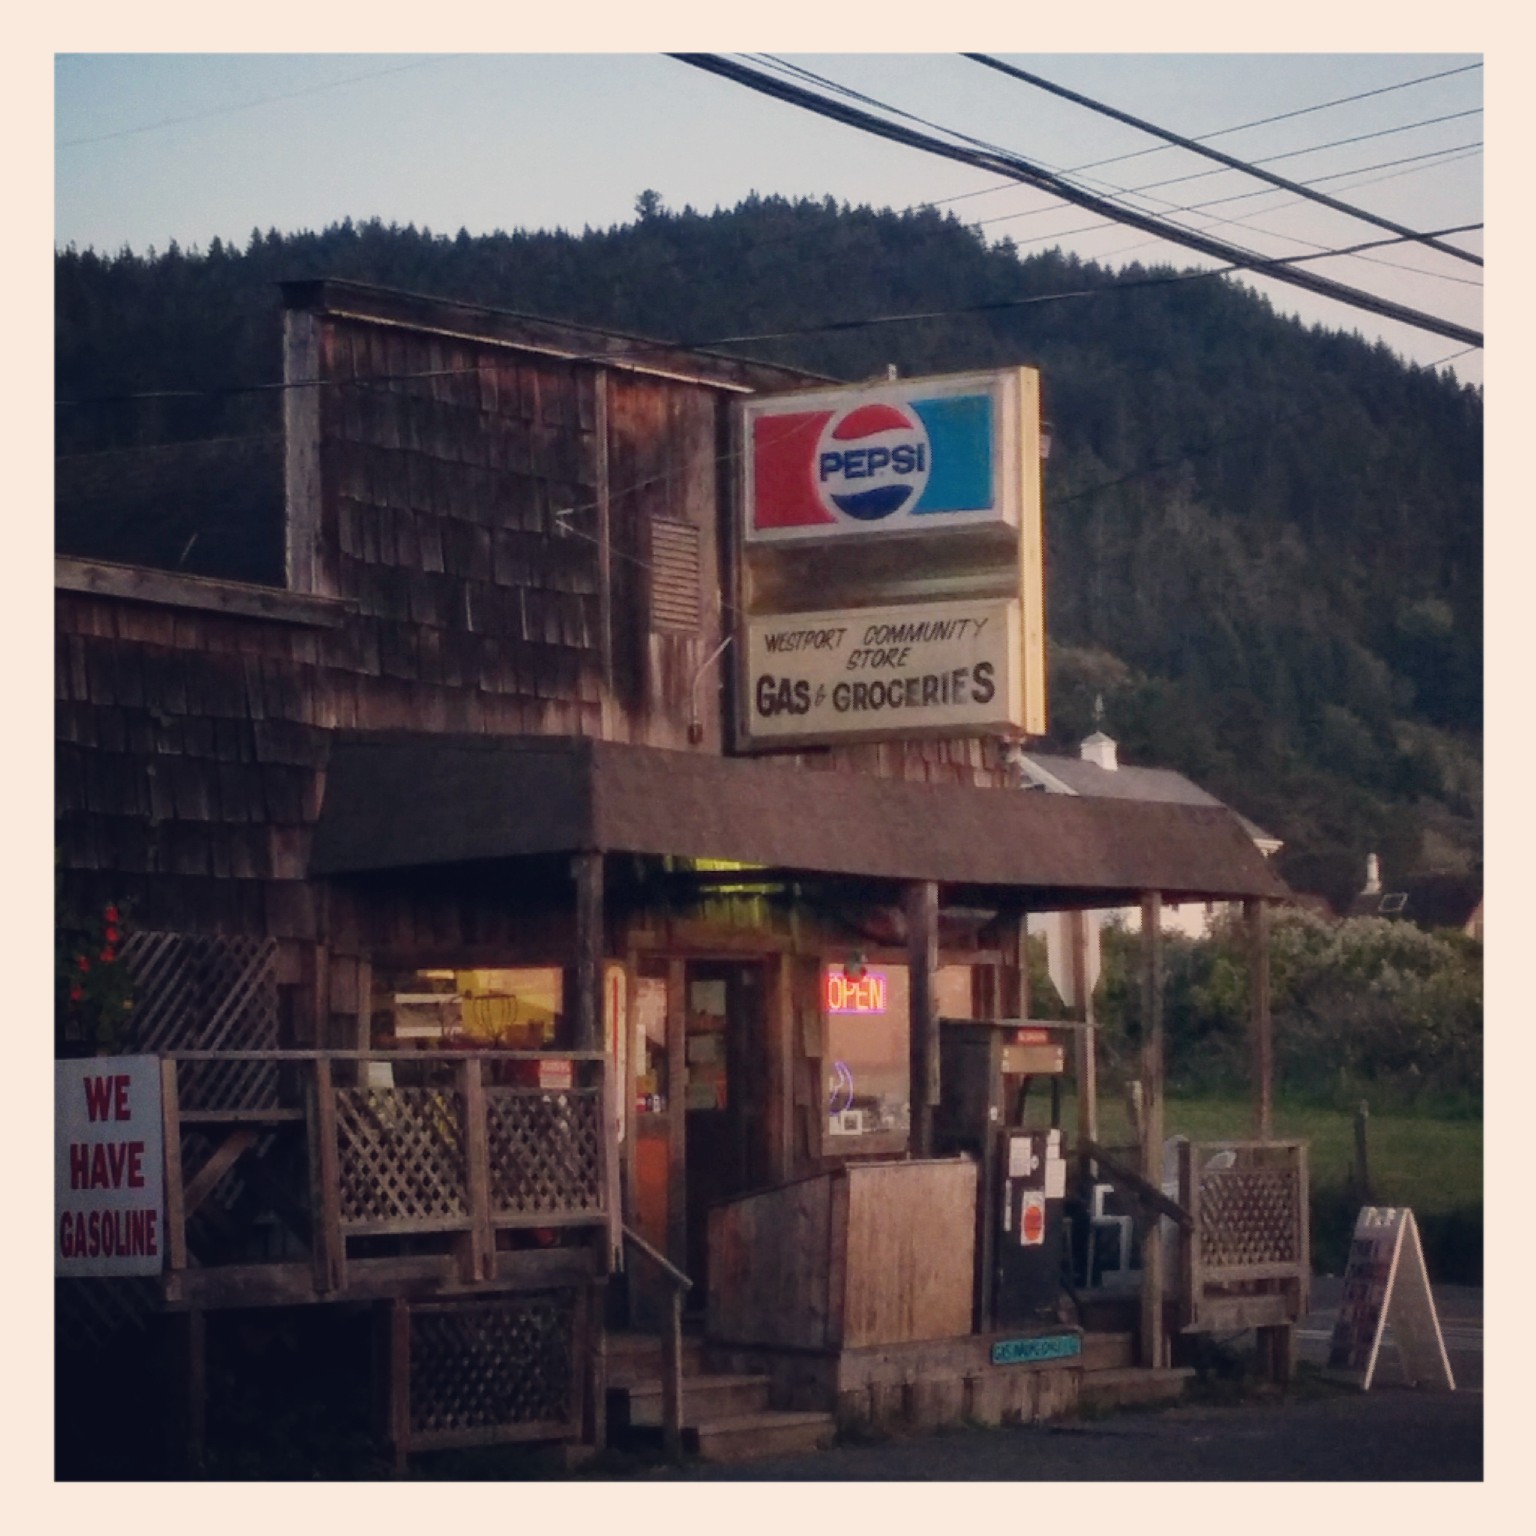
(1264, 540)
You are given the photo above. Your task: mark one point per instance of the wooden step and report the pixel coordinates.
(749, 1436)
(1108, 1351)
(1132, 1386)
(705, 1398)
(638, 1358)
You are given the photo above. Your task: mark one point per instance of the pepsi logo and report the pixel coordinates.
(872, 461)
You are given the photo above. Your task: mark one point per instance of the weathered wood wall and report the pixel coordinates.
(497, 526)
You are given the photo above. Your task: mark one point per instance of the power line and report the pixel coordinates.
(1031, 174)
(1219, 133)
(261, 101)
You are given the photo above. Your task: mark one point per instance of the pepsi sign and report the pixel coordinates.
(922, 455)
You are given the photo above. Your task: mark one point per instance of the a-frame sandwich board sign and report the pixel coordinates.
(1387, 1286)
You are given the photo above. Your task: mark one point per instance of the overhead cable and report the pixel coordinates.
(1027, 172)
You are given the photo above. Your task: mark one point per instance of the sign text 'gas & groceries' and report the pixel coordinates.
(876, 671)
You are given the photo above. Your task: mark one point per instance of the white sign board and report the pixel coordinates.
(109, 1167)
(1387, 1287)
(1058, 951)
(919, 456)
(879, 672)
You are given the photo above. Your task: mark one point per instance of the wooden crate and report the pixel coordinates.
(867, 1254)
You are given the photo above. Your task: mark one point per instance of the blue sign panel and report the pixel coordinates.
(1049, 1346)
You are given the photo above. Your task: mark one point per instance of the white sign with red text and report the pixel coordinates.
(109, 1170)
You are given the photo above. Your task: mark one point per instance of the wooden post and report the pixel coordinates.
(326, 1243)
(596, 1426)
(672, 1377)
(175, 1210)
(1084, 1053)
(478, 1255)
(1362, 1168)
(780, 1004)
(1257, 914)
(1191, 1278)
(588, 871)
(400, 1380)
(1152, 1344)
(922, 904)
(197, 1387)
(677, 1118)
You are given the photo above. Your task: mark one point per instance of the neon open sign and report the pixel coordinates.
(848, 994)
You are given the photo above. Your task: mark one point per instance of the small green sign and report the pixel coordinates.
(1049, 1346)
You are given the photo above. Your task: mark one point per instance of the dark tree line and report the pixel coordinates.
(1264, 540)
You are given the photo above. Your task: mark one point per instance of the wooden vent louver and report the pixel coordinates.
(675, 575)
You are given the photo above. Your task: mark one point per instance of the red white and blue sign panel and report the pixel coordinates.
(921, 455)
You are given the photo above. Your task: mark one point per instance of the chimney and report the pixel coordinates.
(1372, 876)
(1099, 748)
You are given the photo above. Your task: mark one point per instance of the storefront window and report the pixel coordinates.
(516, 1009)
(867, 1066)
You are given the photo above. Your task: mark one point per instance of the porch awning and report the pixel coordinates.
(400, 801)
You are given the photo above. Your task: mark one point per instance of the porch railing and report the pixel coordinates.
(373, 1169)
(1246, 1255)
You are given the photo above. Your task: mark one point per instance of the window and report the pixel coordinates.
(518, 1009)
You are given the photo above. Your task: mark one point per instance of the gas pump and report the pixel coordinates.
(986, 1073)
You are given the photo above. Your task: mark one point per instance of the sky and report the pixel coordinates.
(150, 147)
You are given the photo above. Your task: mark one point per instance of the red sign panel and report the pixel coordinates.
(865, 993)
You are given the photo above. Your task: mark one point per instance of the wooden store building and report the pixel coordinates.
(588, 893)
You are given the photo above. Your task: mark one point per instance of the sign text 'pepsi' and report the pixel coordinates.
(921, 456)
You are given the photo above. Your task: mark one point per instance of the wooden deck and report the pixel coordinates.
(305, 1176)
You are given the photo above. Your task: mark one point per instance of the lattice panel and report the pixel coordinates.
(401, 1156)
(546, 1151)
(197, 993)
(1249, 1216)
(484, 1365)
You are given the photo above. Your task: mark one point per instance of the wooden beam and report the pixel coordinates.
(172, 589)
(1152, 1341)
(922, 907)
(1257, 914)
(224, 1157)
(587, 868)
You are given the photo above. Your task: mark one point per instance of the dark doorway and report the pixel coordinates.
(726, 1152)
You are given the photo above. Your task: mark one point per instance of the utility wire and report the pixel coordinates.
(1031, 174)
(260, 101)
(1221, 157)
(1219, 133)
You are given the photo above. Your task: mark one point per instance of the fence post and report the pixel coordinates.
(175, 1207)
(326, 1242)
(479, 1253)
(1362, 1168)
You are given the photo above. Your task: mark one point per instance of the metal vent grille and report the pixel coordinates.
(675, 575)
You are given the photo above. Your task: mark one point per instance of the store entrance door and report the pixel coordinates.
(724, 1104)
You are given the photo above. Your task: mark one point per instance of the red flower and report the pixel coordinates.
(106, 955)
(76, 995)
(110, 914)
(83, 962)
(112, 934)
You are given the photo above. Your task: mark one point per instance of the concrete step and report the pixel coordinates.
(749, 1436)
(1108, 1351)
(706, 1398)
(1132, 1386)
